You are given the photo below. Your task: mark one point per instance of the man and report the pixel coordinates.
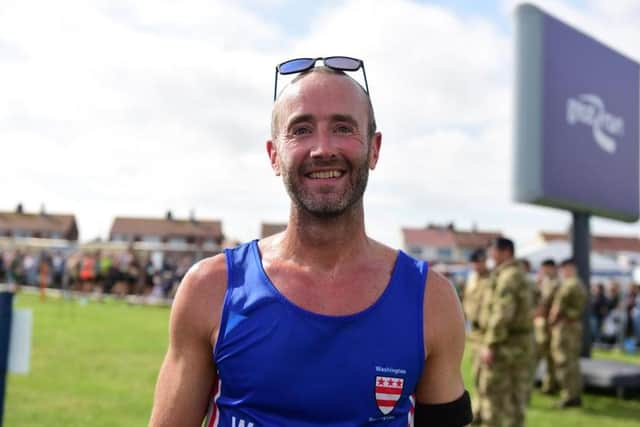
(475, 290)
(547, 284)
(318, 325)
(565, 318)
(505, 374)
(599, 310)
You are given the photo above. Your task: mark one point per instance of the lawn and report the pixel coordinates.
(96, 365)
(91, 365)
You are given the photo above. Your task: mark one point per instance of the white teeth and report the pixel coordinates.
(325, 174)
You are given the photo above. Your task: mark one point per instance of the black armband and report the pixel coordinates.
(451, 414)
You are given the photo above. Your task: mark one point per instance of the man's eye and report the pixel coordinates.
(343, 129)
(301, 131)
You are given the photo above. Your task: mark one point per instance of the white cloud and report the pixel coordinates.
(613, 22)
(132, 108)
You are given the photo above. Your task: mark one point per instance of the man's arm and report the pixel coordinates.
(557, 304)
(569, 304)
(440, 396)
(188, 374)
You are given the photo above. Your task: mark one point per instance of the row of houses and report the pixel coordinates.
(442, 243)
(445, 243)
(45, 225)
(169, 232)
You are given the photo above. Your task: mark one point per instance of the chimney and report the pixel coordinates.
(43, 212)
(19, 209)
(169, 216)
(192, 215)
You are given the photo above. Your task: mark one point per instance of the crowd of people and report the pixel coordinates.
(120, 273)
(514, 323)
(516, 320)
(615, 315)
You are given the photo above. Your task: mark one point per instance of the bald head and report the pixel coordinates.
(293, 89)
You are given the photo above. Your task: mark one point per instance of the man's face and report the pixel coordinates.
(479, 266)
(499, 255)
(549, 271)
(568, 271)
(321, 149)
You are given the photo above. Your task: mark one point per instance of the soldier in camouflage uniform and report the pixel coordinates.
(475, 289)
(546, 287)
(535, 297)
(565, 319)
(507, 325)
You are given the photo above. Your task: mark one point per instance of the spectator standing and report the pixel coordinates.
(44, 275)
(547, 286)
(30, 266)
(635, 315)
(631, 309)
(614, 296)
(17, 273)
(599, 310)
(3, 270)
(478, 286)
(87, 272)
(565, 319)
(58, 265)
(507, 325)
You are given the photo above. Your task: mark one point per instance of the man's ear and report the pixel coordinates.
(273, 156)
(374, 153)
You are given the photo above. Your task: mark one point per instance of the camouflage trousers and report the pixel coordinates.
(542, 335)
(474, 356)
(566, 342)
(504, 388)
(474, 344)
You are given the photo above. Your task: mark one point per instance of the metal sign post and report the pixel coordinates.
(581, 244)
(6, 303)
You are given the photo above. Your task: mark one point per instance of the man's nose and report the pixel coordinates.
(323, 145)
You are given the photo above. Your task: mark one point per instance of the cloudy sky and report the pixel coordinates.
(132, 108)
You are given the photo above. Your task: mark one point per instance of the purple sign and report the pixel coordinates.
(587, 110)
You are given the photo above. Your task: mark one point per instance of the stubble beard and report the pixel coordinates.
(326, 206)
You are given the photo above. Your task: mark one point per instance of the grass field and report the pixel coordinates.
(96, 365)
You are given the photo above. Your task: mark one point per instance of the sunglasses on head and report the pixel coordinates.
(299, 65)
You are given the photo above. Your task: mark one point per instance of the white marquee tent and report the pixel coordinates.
(601, 267)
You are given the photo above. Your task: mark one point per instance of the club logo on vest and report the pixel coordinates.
(388, 392)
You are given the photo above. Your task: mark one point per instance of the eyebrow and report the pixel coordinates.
(344, 118)
(333, 118)
(300, 118)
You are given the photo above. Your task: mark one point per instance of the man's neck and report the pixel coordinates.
(506, 262)
(324, 243)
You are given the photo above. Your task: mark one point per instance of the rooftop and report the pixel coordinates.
(43, 223)
(600, 242)
(268, 229)
(448, 236)
(168, 227)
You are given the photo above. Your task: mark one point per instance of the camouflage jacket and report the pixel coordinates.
(508, 313)
(547, 289)
(569, 301)
(472, 301)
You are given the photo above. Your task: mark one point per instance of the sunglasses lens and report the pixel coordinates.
(343, 63)
(295, 65)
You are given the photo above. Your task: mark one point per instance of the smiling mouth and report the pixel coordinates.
(325, 174)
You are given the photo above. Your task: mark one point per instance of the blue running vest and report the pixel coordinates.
(281, 365)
